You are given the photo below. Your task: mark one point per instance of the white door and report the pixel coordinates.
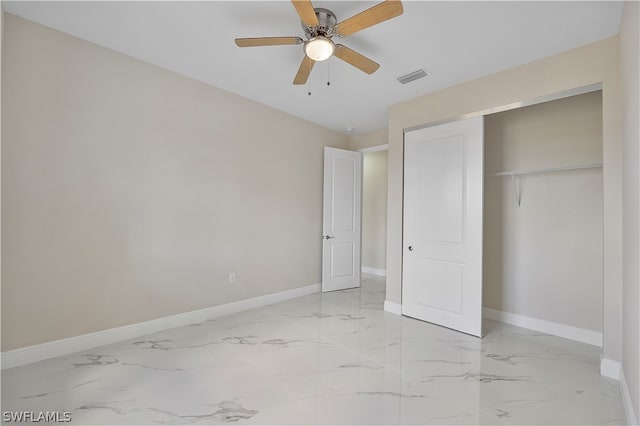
(442, 253)
(341, 219)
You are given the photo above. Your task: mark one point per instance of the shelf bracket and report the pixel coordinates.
(515, 178)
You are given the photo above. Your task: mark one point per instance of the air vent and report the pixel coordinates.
(412, 76)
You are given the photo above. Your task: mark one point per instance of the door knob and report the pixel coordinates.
(327, 237)
(410, 248)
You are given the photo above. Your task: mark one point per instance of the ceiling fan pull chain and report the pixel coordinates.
(328, 74)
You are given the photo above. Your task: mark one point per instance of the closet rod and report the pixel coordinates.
(550, 170)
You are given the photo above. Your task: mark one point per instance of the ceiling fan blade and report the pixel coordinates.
(357, 60)
(306, 12)
(305, 69)
(379, 13)
(267, 41)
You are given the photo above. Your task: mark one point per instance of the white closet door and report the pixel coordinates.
(341, 219)
(442, 254)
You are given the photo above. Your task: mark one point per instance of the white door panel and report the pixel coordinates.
(440, 200)
(442, 254)
(341, 219)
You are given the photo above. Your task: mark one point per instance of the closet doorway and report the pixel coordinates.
(543, 217)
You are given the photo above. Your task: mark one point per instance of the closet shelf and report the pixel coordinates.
(550, 170)
(515, 175)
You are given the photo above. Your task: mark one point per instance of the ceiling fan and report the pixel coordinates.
(320, 26)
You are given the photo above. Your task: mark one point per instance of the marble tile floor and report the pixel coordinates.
(334, 358)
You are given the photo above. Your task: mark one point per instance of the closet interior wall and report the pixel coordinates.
(544, 258)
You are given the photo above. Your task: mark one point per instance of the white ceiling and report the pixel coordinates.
(453, 41)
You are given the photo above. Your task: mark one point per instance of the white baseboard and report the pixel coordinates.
(393, 307)
(610, 368)
(561, 330)
(35, 353)
(374, 271)
(626, 399)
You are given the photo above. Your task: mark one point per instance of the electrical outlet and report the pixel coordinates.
(232, 277)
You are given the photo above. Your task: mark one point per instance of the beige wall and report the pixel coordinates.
(129, 192)
(368, 140)
(543, 259)
(630, 70)
(374, 210)
(583, 66)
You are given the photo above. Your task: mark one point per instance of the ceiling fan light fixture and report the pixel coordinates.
(319, 48)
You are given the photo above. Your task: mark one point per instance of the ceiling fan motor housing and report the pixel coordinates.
(327, 21)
